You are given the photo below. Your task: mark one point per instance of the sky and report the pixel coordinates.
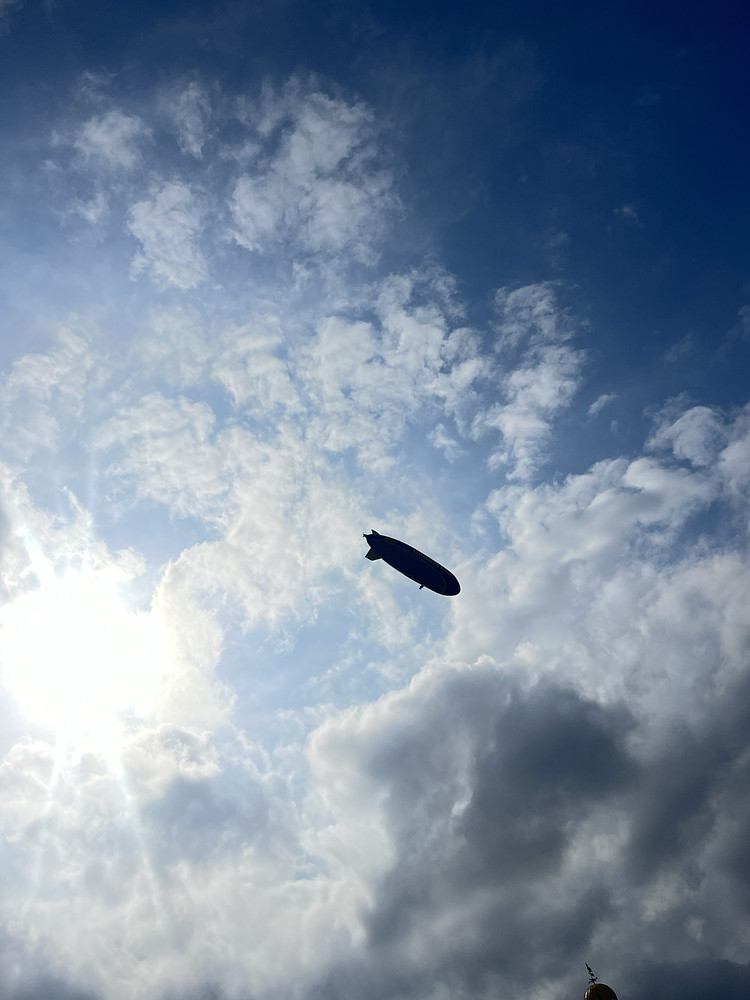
(274, 274)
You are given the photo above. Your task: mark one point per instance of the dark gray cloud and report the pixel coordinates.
(532, 835)
(703, 979)
(488, 786)
(553, 755)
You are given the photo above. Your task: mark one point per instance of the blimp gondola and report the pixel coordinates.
(412, 563)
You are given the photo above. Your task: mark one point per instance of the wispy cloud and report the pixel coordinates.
(600, 402)
(44, 390)
(168, 224)
(542, 382)
(319, 187)
(188, 106)
(630, 213)
(114, 140)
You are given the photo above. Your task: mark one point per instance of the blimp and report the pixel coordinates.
(412, 563)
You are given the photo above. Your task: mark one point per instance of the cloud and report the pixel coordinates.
(630, 213)
(556, 244)
(600, 402)
(6, 8)
(582, 790)
(733, 461)
(336, 783)
(44, 392)
(320, 188)
(306, 177)
(615, 544)
(175, 346)
(93, 210)
(563, 775)
(696, 435)
(529, 797)
(441, 439)
(189, 108)
(113, 140)
(168, 225)
(168, 453)
(370, 380)
(541, 384)
(252, 370)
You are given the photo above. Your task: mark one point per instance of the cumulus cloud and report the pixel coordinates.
(581, 789)
(563, 774)
(253, 371)
(695, 435)
(590, 542)
(543, 826)
(482, 788)
(332, 782)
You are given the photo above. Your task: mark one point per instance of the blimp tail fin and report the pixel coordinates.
(371, 554)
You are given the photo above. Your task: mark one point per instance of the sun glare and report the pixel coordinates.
(77, 659)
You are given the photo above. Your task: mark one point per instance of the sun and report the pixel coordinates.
(77, 659)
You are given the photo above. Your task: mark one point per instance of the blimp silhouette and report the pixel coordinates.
(412, 563)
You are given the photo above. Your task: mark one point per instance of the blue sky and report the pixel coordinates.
(276, 274)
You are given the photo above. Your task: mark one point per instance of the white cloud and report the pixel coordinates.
(514, 750)
(695, 435)
(339, 778)
(590, 566)
(168, 226)
(189, 108)
(368, 381)
(600, 402)
(529, 314)
(168, 454)
(320, 188)
(251, 370)
(275, 500)
(44, 392)
(93, 210)
(175, 346)
(524, 784)
(539, 387)
(114, 140)
(270, 478)
(735, 458)
(441, 439)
